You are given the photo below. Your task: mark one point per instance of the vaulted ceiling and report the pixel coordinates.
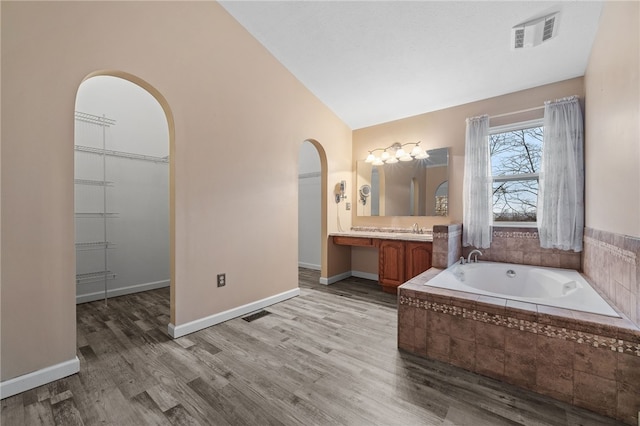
(376, 61)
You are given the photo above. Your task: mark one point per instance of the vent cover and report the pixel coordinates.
(256, 315)
(534, 32)
(519, 41)
(548, 32)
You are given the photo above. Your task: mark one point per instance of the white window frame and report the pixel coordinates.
(539, 122)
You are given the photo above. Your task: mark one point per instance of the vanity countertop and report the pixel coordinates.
(402, 236)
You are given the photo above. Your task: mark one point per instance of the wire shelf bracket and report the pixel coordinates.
(121, 154)
(94, 245)
(94, 119)
(96, 276)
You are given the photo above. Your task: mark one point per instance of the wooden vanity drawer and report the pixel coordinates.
(353, 241)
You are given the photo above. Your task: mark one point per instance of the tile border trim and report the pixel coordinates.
(595, 340)
(446, 235)
(625, 255)
(516, 234)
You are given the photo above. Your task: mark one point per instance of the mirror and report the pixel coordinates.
(412, 188)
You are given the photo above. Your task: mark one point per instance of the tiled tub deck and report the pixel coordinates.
(588, 360)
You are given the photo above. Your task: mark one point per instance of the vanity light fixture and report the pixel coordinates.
(399, 154)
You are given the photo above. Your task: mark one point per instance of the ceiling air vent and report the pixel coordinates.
(547, 31)
(519, 38)
(534, 32)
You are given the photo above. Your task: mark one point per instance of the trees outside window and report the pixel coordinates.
(516, 153)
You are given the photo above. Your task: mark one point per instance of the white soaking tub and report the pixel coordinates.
(562, 288)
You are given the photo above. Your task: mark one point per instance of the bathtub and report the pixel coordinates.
(562, 288)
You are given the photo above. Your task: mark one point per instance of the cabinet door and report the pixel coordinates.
(418, 258)
(391, 268)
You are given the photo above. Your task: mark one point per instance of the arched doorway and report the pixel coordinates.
(125, 138)
(309, 207)
(312, 206)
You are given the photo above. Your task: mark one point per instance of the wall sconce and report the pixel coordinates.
(396, 152)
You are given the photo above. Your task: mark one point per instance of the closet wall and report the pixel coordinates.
(121, 191)
(309, 207)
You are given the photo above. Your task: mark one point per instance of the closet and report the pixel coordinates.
(121, 190)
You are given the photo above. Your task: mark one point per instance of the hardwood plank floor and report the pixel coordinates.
(328, 357)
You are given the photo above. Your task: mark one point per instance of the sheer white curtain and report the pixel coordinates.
(561, 188)
(477, 197)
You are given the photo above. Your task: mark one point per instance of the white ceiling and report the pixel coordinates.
(377, 61)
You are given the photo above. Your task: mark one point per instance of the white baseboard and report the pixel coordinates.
(365, 275)
(200, 324)
(335, 278)
(38, 378)
(99, 295)
(309, 266)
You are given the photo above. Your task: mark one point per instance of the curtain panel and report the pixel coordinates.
(477, 185)
(561, 181)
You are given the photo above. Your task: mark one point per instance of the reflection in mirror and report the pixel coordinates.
(442, 199)
(375, 192)
(416, 188)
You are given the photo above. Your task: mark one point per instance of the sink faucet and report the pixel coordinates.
(415, 228)
(475, 259)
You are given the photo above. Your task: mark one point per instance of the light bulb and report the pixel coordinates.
(422, 155)
(385, 155)
(370, 158)
(400, 153)
(416, 150)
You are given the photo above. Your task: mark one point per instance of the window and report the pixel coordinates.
(516, 154)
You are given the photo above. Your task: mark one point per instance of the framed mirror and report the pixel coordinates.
(412, 188)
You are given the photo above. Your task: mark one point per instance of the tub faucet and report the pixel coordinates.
(475, 259)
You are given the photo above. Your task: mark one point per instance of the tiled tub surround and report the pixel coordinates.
(522, 246)
(612, 263)
(447, 245)
(589, 360)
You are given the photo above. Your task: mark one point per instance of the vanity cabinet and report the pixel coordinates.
(391, 264)
(398, 260)
(418, 258)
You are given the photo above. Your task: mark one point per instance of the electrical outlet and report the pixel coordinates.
(222, 280)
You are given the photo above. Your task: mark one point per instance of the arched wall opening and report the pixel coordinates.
(171, 164)
(309, 207)
(312, 165)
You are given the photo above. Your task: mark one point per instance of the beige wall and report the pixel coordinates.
(239, 118)
(446, 128)
(611, 257)
(612, 131)
(436, 176)
(364, 259)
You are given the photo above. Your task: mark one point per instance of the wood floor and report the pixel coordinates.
(327, 357)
